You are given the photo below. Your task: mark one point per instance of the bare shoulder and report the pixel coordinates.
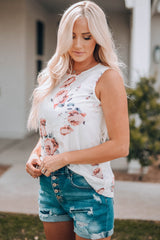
(111, 78)
(111, 84)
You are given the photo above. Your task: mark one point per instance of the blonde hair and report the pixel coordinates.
(105, 51)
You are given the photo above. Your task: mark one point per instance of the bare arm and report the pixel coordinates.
(37, 149)
(34, 161)
(113, 99)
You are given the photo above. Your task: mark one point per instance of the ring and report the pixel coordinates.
(43, 170)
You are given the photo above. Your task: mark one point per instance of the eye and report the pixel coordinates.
(87, 38)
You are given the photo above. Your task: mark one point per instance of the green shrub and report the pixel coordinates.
(144, 115)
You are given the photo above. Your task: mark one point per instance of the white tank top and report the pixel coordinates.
(71, 118)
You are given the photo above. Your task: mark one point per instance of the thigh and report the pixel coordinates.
(59, 230)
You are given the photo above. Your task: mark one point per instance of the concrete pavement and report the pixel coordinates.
(19, 191)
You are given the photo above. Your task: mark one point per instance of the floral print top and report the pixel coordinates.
(71, 118)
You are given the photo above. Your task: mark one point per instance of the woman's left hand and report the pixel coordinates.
(52, 163)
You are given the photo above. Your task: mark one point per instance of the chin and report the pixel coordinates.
(79, 59)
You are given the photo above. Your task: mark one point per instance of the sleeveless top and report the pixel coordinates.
(71, 118)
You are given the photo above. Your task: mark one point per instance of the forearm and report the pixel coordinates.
(33, 164)
(37, 149)
(101, 153)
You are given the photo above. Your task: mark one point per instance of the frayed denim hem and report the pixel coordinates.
(47, 216)
(94, 236)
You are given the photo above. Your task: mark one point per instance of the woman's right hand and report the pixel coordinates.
(33, 165)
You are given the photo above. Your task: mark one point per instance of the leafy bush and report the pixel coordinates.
(144, 115)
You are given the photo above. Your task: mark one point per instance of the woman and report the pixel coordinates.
(80, 107)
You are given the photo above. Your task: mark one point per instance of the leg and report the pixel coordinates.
(59, 230)
(80, 238)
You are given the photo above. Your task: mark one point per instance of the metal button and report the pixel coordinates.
(54, 184)
(53, 178)
(56, 190)
(59, 197)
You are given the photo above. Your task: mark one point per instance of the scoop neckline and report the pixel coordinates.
(84, 70)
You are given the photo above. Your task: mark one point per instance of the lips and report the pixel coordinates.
(78, 53)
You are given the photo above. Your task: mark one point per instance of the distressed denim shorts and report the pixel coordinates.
(66, 196)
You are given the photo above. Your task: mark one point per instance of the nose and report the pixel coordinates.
(77, 43)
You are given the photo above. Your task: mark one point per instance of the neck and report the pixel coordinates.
(82, 66)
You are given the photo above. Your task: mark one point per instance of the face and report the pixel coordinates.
(83, 43)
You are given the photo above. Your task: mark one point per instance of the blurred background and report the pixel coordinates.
(28, 30)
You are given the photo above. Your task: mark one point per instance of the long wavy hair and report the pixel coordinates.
(105, 52)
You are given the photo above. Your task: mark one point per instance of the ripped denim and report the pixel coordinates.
(66, 196)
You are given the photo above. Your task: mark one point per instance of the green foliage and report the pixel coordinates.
(136, 230)
(29, 227)
(20, 227)
(144, 115)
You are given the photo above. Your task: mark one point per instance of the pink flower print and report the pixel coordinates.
(98, 172)
(68, 82)
(100, 191)
(50, 146)
(60, 97)
(66, 130)
(76, 118)
(42, 128)
(88, 97)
